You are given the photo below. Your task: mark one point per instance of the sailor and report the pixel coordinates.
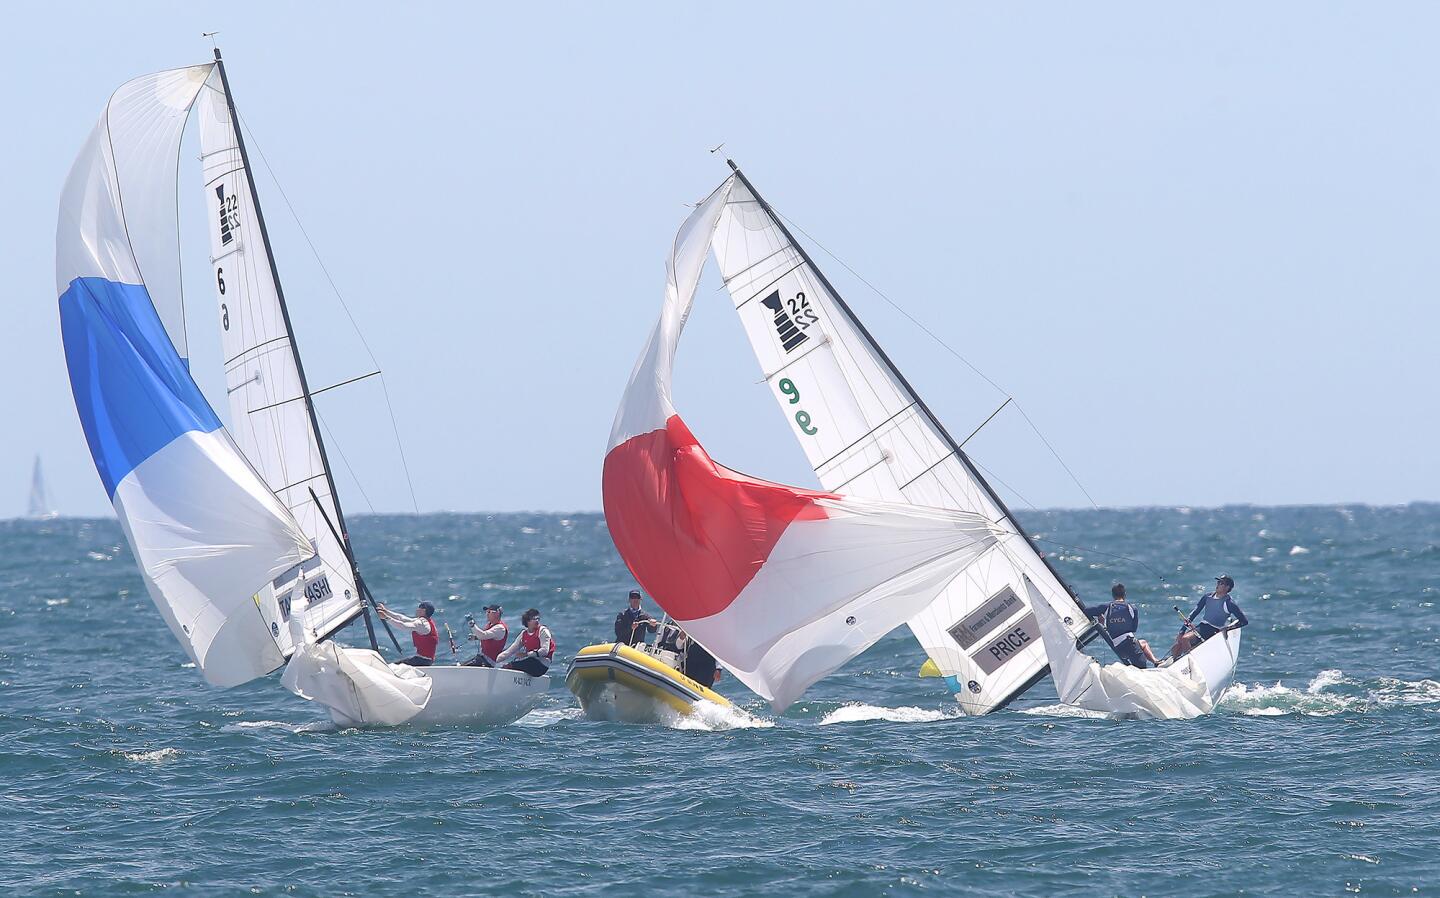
(532, 650)
(632, 624)
(423, 632)
(1214, 611)
(492, 636)
(1120, 620)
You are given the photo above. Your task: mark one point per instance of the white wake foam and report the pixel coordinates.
(1330, 692)
(857, 712)
(711, 717)
(548, 717)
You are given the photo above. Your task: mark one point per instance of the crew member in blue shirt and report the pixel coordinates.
(1121, 620)
(1214, 611)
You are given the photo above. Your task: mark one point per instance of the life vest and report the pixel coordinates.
(426, 645)
(531, 642)
(491, 648)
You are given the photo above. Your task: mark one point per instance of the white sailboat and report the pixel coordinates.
(39, 507)
(238, 531)
(997, 614)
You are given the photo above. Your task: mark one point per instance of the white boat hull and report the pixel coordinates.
(1215, 659)
(470, 696)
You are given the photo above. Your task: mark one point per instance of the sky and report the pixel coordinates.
(1195, 243)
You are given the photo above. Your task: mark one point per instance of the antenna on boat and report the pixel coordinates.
(211, 35)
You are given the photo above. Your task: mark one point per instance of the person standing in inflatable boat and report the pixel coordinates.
(532, 650)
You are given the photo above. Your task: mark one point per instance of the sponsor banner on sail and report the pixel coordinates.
(866, 434)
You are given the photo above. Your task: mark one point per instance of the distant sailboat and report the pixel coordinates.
(238, 531)
(40, 507)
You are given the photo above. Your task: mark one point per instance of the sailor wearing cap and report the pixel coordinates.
(1214, 611)
(492, 636)
(422, 632)
(1121, 621)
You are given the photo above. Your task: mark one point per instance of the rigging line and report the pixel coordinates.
(1007, 401)
(1092, 549)
(341, 452)
(384, 386)
(948, 348)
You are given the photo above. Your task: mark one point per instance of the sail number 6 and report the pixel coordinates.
(224, 311)
(802, 417)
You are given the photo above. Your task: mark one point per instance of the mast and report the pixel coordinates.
(294, 347)
(919, 402)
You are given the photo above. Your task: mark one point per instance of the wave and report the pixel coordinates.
(548, 717)
(155, 756)
(858, 712)
(314, 726)
(1330, 692)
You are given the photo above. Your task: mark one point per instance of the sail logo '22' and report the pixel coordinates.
(791, 330)
(229, 215)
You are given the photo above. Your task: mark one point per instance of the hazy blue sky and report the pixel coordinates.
(1197, 244)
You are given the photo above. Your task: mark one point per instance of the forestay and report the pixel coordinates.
(866, 433)
(207, 533)
(270, 417)
(781, 584)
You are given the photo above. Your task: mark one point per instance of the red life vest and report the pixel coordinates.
(531, 641)
(491, 648)
(426, 645)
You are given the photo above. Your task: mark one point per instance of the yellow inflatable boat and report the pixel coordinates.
(641, 683)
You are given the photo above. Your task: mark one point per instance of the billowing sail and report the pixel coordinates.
(781, 584)
(269, 416)
(206, 531)
(39, 505)
(867, 434)
(1179, 691)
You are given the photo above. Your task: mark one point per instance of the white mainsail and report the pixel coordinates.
(866, 433)
(270, 413)
(39, 506)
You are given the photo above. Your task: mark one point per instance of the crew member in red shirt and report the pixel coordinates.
(492, 636)
(532, 650)
(423, 632)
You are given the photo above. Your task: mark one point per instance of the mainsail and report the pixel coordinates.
(39, 505)
(220, 520)
(867, 433)
(271, 416)
(782, 584)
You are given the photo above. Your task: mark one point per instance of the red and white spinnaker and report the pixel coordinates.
(781, 584)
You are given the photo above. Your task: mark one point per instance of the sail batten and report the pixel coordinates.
(868, 433)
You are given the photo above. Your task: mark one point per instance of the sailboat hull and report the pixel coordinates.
(470, 696)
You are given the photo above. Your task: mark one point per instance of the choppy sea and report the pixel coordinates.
(122, 773)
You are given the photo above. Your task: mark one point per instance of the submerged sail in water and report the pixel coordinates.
(1186, 688)
(39, 506)
(782, 584)
(213, 540)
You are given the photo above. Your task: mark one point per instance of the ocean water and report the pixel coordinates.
(124, 774)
